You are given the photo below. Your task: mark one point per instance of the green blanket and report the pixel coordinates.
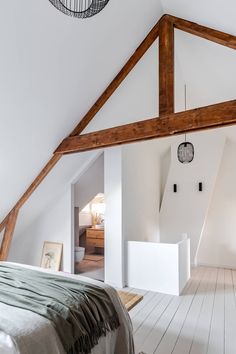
(80, 312)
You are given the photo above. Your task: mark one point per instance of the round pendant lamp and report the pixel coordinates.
(80, 8)
(185, 150)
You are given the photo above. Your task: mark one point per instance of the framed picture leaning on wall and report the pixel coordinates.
(51, 255)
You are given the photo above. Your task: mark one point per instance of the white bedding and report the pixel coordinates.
(25, 332)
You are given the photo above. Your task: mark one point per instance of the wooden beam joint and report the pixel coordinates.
(218, 115)
(166, 66)
(8, 233)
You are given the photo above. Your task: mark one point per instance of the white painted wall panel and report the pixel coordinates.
(157, 266)
(218, 245)
(53, 225)
(185, 212)
(114, 247)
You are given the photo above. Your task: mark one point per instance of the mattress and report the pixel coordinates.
(25, 332)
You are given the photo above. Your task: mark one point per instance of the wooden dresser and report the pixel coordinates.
(95, 238)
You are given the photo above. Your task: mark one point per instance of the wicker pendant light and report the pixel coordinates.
(185, 150)
(80, 8)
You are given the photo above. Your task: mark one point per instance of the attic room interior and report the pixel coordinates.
(118, 194)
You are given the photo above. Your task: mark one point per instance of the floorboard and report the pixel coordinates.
(200, 321)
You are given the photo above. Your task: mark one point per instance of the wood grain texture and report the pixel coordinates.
(213, 116)
(3, 224)
(129, 300)
(44, 172)
(8, 233)
(166, 66)
(226, 39)
(201, 320)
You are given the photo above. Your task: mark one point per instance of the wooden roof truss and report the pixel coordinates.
(168, 123)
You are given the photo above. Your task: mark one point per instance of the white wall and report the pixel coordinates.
(165, 163)
(34, 227)
(54, 73)
(140, 180)
(114, 245)
(45, 91)
(53, 225)
(135, 99)
(85, 218)
(184, 266)
(160, 267)
(186, 210)
(218, 245)
(141, 191)
(132, 192)
(90, 182)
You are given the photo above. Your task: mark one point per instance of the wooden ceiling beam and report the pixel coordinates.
(37, 181)
(214, 116)
(7, 237)
(166, 66)
(166, 94)
(3, 224)
(187, 26)
(208, 33)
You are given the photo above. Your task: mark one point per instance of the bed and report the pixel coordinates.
(26, 332)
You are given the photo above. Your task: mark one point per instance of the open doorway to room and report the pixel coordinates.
(89, 254)
(89, 207)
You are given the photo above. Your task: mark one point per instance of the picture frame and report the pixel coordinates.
(51, 255)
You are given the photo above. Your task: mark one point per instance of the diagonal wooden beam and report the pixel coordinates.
(166, 66)
(120, 77)
(7, 237)
(44, 172)
(187, 26)
(226, 39)
(133, 60)
(218, 115)
(3, 224)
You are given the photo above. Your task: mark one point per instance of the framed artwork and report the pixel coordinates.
(51, 255)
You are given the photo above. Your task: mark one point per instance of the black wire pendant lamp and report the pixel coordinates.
(185, 151)
(80, 8)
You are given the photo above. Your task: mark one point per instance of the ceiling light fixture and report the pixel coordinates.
(185, 150)
(80, 8)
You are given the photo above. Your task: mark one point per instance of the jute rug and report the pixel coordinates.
(129, 300)
(93, 257)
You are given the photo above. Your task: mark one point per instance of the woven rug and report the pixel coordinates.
(129, 300)
(93, 257)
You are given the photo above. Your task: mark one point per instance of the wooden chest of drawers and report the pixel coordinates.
(95, 238)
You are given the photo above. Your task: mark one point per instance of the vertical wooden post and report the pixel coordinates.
(8, 233)
(166, 66)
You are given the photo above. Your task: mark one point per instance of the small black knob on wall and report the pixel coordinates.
(175, 188)
(200, 186)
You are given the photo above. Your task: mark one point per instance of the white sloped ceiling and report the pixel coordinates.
(53, 68)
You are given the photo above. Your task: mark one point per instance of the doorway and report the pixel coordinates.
(89, 206)
(89, 240)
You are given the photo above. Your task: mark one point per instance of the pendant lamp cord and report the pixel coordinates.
(185, 105)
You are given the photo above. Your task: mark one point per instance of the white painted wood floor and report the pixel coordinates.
(202, 320)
